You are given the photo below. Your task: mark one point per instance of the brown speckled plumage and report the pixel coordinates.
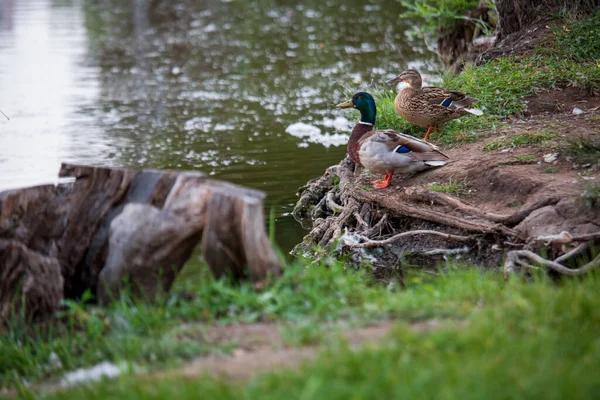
(430, 106)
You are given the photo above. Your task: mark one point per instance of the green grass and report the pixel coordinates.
(502, 85)
(591, 196)
(583, 150)
(551, 170)
(452, 187)
(517, 339)
(434, 15)
(156, 335)
(526, 158)
(519, 140)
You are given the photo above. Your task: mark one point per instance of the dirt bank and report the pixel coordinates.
(520, 180)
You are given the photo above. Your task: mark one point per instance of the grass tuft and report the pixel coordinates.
(452, 187)
(551, 170)
(444, 14)
(526, 158)
(583, 150)
(519, 140)
(591, 196)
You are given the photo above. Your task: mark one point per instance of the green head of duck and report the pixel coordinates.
(364, 103)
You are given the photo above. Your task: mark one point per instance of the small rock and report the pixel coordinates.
(577, 111)
(550, 157)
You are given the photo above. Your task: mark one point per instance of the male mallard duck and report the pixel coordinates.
(386, 151)
(430, 106)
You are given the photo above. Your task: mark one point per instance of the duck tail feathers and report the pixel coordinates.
(473, 110)
(437, 163)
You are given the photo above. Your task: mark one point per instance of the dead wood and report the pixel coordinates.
(373, 243)
(58, 241)
(517, 259)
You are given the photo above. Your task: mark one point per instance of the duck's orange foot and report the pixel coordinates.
(426, 138)
(380, 183)
(383, 183)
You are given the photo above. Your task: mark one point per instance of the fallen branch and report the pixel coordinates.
(565, 237)
(516, 258)
(360, 220)
(373, 243)
(575, 252)
(446, 252)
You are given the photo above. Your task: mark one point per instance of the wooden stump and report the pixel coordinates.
(58, 241)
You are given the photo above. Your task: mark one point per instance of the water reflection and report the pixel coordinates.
(241, 90)
(45, 85)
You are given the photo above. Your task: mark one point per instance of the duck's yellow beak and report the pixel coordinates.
(346, 104)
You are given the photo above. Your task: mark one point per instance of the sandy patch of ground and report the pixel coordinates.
(261, 347)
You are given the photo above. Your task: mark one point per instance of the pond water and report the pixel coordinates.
(242, 90)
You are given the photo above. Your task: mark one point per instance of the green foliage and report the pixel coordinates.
(517, 339)
(501, 85)
(526, 158)
(520, 139)
(151, 334)
(452, 187)
(583, 150)
(579, 41)
(304, 333)
(591, 196)
(164, 334)
(443, 14)
(551, 170)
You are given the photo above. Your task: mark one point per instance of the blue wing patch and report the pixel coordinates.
(446, 103)
(402, 149)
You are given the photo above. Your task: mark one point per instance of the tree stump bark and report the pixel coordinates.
(58, 241)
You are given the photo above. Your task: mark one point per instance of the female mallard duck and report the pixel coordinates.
(386, 151)
(430, 106)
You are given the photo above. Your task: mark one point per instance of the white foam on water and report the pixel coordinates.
(312, 134)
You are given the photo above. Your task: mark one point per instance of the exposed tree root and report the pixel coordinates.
(414, 224)
(397, 222)
(372, 243)
(508, 220)
(517, 259)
